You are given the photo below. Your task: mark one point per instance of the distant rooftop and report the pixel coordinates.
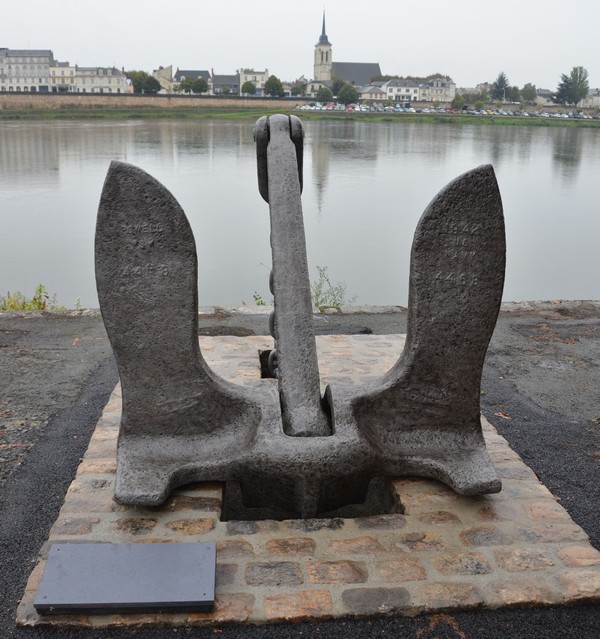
(191, 74)
(225, 79)
(21, 53)
(357, 73)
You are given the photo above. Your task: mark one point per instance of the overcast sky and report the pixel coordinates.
(530, 40)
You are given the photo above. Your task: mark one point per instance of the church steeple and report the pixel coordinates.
(323, 39)
(323, 57)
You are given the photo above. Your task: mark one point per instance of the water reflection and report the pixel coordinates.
(567, 152)
(365, 187)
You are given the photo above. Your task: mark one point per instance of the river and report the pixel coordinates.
(365, 186)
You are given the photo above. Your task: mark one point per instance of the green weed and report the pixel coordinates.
(258, 299)
(40, 301)
(326, 295)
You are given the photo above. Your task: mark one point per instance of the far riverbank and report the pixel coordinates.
(52, 106)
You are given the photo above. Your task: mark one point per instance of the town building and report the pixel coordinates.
(592, 101)
(66, 78)
(100, 80)
(402, 90)
(217, 84)
(25, 70)
(258, 79)
(372, 93)
(62, 77)
(36, 71)
(191, 74)
(165, 76)
(225, 84)
(543, 97)
(438, 90)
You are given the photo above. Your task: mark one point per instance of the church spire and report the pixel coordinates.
(323, 39)
(323, 57)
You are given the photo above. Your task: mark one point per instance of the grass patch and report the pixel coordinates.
(105, 113)
(252, 114)
(40, 301)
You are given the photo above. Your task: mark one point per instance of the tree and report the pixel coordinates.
(563, 91)
(499, 87)
(324, 95)
(529, 92)
(298, 88)
(347, 94)
(273, 87)
(476, 96)
(572, 88)
(185, 86)
(249, 88)
(513, 94)
(137, 79)
(458, 102)
(580, 85)
(151, 85)
(199, 85)
(337, 85)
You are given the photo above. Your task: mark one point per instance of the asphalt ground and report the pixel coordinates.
(540, 389)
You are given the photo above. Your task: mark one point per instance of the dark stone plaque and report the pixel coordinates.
(101, 578)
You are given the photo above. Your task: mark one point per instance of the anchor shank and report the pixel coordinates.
(297, 365)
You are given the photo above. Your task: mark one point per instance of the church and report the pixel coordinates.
(326, 70)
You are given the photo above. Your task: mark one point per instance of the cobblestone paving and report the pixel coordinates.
(444, 552)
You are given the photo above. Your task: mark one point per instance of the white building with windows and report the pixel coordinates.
(62, 77)
(65, 78)
(258, 79)
(36, 71)
(438, 90)
(402, 90)
(26, 70)
(100, 80)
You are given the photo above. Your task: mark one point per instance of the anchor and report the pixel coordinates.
(288, 452)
